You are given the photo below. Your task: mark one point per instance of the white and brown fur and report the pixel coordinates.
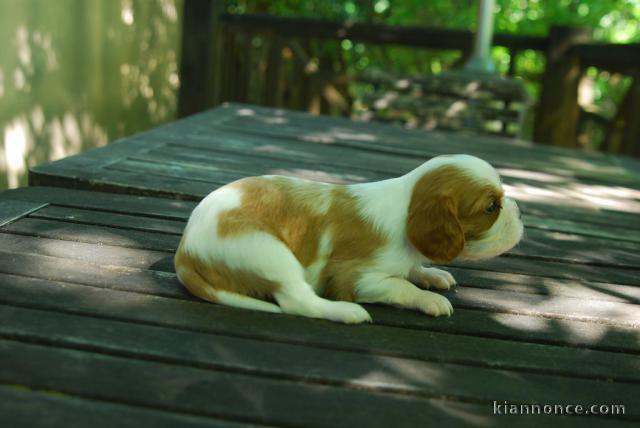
(282, 244)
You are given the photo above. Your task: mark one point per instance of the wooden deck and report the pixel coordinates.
(97, 330)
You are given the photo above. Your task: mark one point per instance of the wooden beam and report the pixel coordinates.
(197, 63)
(624, 134)
(308, 28)
(557, 114)
(622, 58)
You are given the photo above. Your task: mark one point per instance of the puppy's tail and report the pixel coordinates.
(198, 286)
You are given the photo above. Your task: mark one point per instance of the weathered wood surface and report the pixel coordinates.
(95, 327)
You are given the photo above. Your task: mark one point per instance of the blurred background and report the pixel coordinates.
(77, 74)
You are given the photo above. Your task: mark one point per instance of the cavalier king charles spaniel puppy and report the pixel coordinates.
(288, 245)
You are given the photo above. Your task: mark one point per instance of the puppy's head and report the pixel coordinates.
(458, 211)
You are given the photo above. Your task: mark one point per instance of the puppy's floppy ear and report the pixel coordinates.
(434, 229)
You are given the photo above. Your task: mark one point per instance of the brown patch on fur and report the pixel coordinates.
(354, 243)
(202, 279)
(447, 209)
(281, 207)
(291, 211)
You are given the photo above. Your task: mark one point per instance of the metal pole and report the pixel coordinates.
(480, 60)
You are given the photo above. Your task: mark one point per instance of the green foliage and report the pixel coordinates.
(612, 21)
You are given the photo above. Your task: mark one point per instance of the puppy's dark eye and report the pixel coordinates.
(491, 208)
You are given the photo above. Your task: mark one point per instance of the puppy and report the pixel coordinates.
(283, 244)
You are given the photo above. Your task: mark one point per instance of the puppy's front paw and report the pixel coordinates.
(436, 278)
(434, 304)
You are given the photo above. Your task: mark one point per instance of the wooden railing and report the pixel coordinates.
(268, 60)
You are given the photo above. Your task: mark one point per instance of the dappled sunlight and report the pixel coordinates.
(580, 307)
(126, 14)
(577, 195)
(532, 324)
(66, 135)
(574, 331)
(246, 112)
(605, 191)
(460, 414)
(585, 165)
(316, 175)
(16, 143)
(338, 134)
(530, 175)
(67, 87)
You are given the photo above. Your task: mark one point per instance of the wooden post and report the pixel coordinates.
(624, 133)
(557, 113)
(197, 72)
(272, 80)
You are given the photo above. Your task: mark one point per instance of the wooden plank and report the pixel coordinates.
(113, 202)
(211, 177)
(120, 221)
(71, 170)
(544, 285)
(403, 156)
(381, 166)
(495, 300)
(607, 312)
(94, 234)
(172, 209)
(249, 119)
(83, 170)
(554, 269)
(256, 163)
(529, 264)
(609, 231)
(219, 176)
(376, 339)
(88, 252)
(578, 249)
(21, 406)
(12, 210)
(211, 393)
(126, 275)
(121, 182)
(304, 364)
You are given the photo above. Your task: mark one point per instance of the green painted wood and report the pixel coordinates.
(609, 231)
(21, 406)
(303, 364)
(376, 339)
(549, 264)
(101, 235)
(235, 396)
(12, 210)
(97, 169)
(113, 202)
(547, 286)
(546, 245)
(265, 121)
(610, 332)
(125, 274)
(121, 221)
